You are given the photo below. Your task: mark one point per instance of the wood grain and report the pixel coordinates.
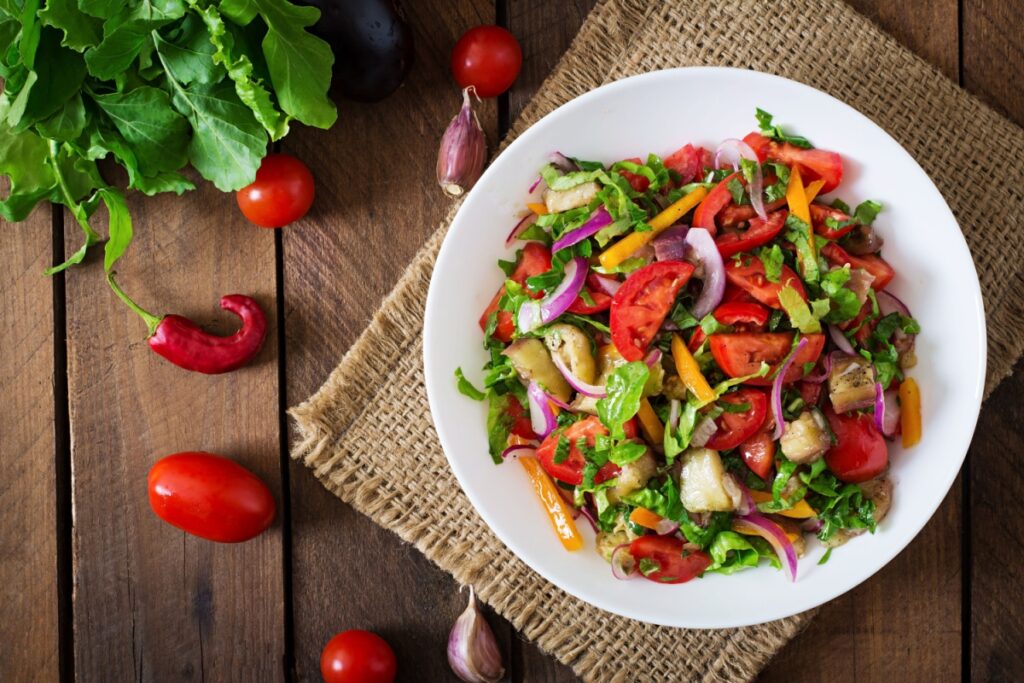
(28, 542)
(152, 603)
(377, 202)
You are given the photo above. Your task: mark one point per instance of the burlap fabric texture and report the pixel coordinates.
(823, 43)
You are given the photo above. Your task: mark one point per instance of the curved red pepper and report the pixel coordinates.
(185, 344)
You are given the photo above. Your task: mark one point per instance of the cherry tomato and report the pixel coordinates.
(742, 315)
(281, 194)
(741, 354)
(760, 232)
(641, 304)
(876, 265)
(815, 164)
(602, 300)
(686, 161)
(759, 451)
(673, 564)
(357, 656)
(717, 199)
(860, 452)
(210, 496)
(820, 213)
(570, 470)
(735, 428)
(487, 58)
(535, 259)
(750, 276)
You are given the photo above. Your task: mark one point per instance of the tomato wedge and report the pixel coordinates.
(734, 294)
(686, 161)
(535, 259)
(602, 300)
(815, 164)
(639, 183)
(518, 419)
(742, 314)
(760, 232)
(717, 199)
(667, 560)
(741, 354)
(758, 452)
(860, 452)
(641, 304)
(876, 265)
(751, 278)
(735, 428)
(738, 214)
(570, 470)
(818, 215)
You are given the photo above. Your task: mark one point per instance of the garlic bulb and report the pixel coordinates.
(460, 161)
(472, 649)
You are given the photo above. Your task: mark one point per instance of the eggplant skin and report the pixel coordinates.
(372, 45)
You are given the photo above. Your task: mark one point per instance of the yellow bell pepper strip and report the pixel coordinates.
(799, 206)
(556, 507)
(650, 425)
(689, 371)
(645, 518)
(747, 530)
(813, 189)
(799, 511)
(910, 412)
(628, 245)
(538, 208)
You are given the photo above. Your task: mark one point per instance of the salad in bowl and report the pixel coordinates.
(697, 356)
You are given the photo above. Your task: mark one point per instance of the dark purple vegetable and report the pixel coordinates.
(372, 45)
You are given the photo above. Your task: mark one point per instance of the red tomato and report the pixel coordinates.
(281, 194)
(717, 199)
(759, 452)
(742, 314)
(860, 323)
(735, 428)
(602, 300)
(535, 259)
(519, 420)
(641, 304)
(570, 470)
(751, 278)
(738, 214)
(820, 212)
(875, 265)
(639, 183)
(210, 496)
(674, 563)
(734, 294)
(358, 656)
(815, 164)
(810, 392)
(860, 452)
(760, 232)
(741, 354)
(487, 58)
(696, 339)
(686, 161)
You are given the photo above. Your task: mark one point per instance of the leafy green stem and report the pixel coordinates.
(91, 236)
(152, 321)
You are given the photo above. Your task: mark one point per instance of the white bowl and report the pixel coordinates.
(659, 112)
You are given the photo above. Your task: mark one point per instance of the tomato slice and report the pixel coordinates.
(717, 199)
(751, 278)
(738, 214)
(815, 164)
(860, 452)
(518, 419)
(820, 212)
(535, 259)
(671, 562)
(570, 470)
(639, 183)
(876, 265)
(810, 392)
(737, 313)
(641, 304)
(759, 452)
(602, 300)
(734, 294)
(760, 232)
(686, 161)
(735, 428)
(740, 354)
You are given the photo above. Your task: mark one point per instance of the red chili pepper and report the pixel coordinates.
(185, 344)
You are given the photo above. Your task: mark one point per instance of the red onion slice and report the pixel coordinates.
(591, 390)
(730, 152)
(812, 524)
(589, 516)
(780, 424)
(826, 370)
(671, 244)
(887, 304)
(891, 419)
(542, 418)
(879, 407)
(533, 314)
(535, 184)
(525, 222)
(675, 410)
(562, 162)
(666, 527)
(518, 451)
(703, 245)
(599, 219)
(653, 358)
(607, 284)
(840, 340)
(623, 564)
(774, 534)
(703, 432)
(747, 504)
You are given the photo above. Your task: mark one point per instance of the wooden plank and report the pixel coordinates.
(28, 547)
(377, 201)
(997, 596)
(152, 603)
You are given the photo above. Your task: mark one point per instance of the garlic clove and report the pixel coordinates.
(472, 648)
(460, 160)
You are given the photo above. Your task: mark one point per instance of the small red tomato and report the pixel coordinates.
(281, 194)
(210, 496)
(357, 656)
(487, 58)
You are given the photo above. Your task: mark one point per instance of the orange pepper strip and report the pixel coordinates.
(813, 189)
(556, 507)
(799, 204)
(689, 371)
(628, 245)
(910, 412)
(747, 530)
(538, 208)
(651, 426)
(799, 511)
(645, 518)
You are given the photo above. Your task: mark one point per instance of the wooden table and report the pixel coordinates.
(94, 587)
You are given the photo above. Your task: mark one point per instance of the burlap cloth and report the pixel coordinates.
(972, 153)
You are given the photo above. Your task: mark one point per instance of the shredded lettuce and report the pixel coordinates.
(466, 387)
(772, 259)
(799, 313)
(625, 389)
(730, 552)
